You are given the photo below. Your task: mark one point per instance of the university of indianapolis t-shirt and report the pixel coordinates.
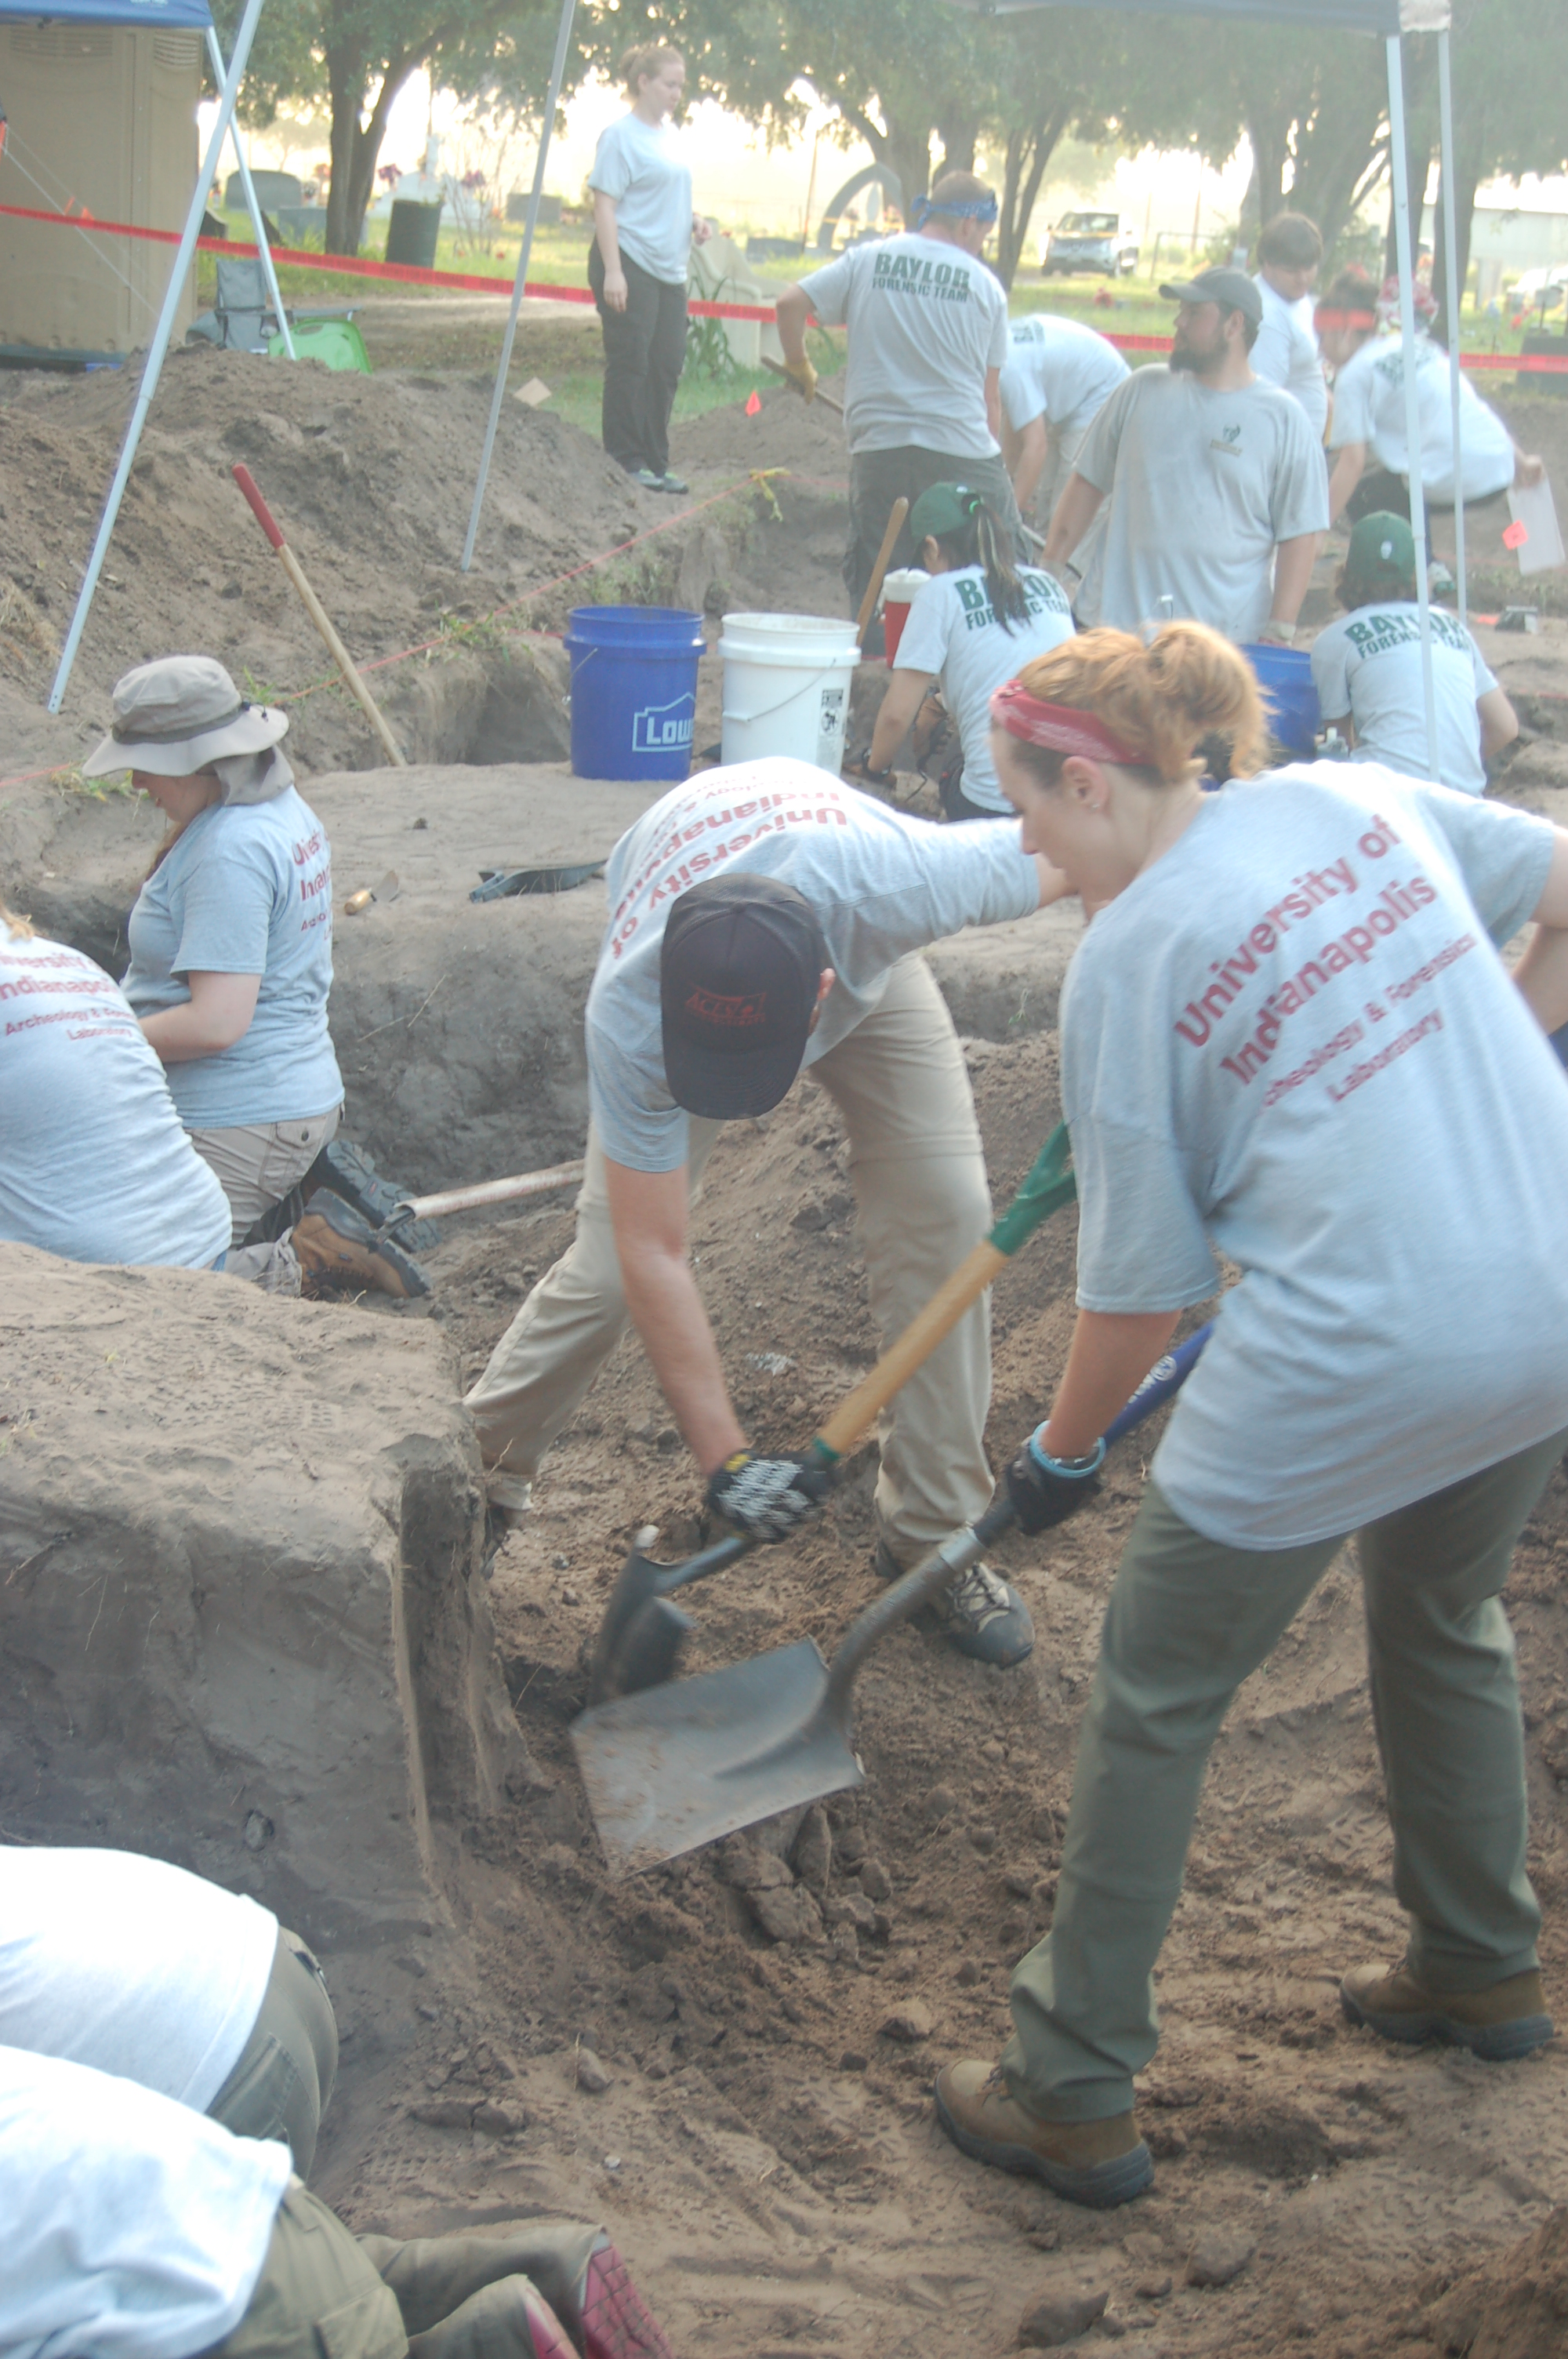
(882, 883)
(953, 629)
(1292, 1039)
(95, 1164)
(927, 321)
(1202, 485)
(1367, 665)
(643, 166)
(246, 889)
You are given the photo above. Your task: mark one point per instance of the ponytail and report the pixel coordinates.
(984, 542)
(1160, 698)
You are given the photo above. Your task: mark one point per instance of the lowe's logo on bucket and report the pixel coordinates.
(659, 728)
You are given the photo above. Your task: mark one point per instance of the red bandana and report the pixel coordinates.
(1061, 726)
(1326, 317)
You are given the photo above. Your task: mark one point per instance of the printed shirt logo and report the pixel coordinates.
(1228, 440)
(713, 1007)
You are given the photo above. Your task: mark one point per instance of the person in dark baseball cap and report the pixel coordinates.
(1233, 290)
(744, 970)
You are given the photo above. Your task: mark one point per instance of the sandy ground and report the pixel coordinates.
(765, 2150)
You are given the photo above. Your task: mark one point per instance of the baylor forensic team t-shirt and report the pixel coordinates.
(1291, 1040)
(1202, 485)
(953, 629)
(1367, 665)
(925, 322)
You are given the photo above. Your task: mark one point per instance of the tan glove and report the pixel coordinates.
(803, 376)
(1277, 633)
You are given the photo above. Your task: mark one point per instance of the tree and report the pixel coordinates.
(1509, 61)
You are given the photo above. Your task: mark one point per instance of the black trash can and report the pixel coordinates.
(412, 233)
(1549, 346)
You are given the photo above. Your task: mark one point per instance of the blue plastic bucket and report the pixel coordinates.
(1284, 675)
(634, 689)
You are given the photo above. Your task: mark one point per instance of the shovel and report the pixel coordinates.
(694, 1760)
(640, 1635)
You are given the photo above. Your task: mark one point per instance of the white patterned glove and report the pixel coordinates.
(767, 1498)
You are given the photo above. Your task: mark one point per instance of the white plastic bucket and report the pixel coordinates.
(786, 687)
(898, 595)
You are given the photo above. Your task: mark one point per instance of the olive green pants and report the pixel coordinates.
(283, 2078)
(1188, 1620)
(325, 2294)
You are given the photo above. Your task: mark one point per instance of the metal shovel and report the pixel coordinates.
(683, 1764)
(640, 1635)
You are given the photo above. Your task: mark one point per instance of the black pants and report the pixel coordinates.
(877, 478)
(645, 351)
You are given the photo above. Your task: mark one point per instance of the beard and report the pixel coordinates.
(1183, 357)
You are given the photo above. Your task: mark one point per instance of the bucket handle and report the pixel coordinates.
(768, 711)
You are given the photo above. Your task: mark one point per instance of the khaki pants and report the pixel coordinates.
(1188, 1620)
(325, 2294)
(282, 2082)
(258, 1163)
(918, 1173)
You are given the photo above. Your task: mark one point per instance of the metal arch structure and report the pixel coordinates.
(1387, 20)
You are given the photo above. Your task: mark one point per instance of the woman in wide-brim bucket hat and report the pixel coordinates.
(231, 960)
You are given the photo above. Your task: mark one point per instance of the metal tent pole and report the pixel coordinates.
(556, 70)
(269, 269)
(1451, 296)
(228, 93)
(1402, 250)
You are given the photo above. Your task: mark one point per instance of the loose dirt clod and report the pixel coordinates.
(1059, 2317)
(1218, 2256)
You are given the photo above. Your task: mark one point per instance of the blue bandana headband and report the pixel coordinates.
(980, 208)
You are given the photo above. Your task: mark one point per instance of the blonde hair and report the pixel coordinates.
(1160, 698)
(21, 929)
(644, 59)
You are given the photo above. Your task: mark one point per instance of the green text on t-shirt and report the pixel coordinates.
(1042, 595)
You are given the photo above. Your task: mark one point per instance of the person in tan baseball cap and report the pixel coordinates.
(232, 964)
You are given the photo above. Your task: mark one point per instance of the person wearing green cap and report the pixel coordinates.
(972, 626)
(1367, 668)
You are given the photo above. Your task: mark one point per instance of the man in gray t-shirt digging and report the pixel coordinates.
(927, 324)
(1219, 493)
(765, 918)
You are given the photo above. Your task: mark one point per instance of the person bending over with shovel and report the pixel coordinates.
(765, 918)
(1287, 1035)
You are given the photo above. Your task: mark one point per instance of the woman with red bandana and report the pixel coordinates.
(1286, 1038)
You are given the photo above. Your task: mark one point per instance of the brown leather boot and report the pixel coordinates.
(336, 1248)
(1507, 2020)
(1098, 2163)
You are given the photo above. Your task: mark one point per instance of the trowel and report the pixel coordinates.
(683, 1764)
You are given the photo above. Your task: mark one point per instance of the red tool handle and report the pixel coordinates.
(259, 508)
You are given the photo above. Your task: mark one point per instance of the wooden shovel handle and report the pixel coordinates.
(885, 558)
(915, 1346)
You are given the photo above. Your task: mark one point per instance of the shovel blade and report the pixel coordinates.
(684, 1764)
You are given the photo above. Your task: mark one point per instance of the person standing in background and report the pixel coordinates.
(1289, 255)
(644, 230)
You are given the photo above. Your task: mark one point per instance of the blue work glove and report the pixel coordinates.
(1046, 1490)
(768, 1498)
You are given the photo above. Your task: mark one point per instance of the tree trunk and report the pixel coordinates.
(1028, 153)
(356, 145)
(1466, 180)
(959, 139)
(1420, 161)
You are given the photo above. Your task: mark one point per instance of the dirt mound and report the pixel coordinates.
(1514, 2306)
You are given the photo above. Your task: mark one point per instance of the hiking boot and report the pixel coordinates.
(348, 1172)
(337, 1248)
(1498, 2024)
(980, 1614)
(675, 484)
(1097, 2163)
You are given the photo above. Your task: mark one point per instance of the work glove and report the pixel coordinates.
(1044, 1490)
(803, 376)
(1276, 634)
(767, 1498)
(858, 765)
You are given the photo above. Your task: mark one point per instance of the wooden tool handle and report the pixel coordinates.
(884, 557)
(918, 1341)
(830, 401)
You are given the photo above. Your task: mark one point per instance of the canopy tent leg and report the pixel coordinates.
(556, 70)
(1404, 254)
(228, 92)
(258, 227)
(1451, 297)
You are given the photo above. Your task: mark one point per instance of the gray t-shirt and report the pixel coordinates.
(1367, 665)
(881, 883)
(1202, 486)
(247, 889)
(94, 1162)
(925, 322)
(1291, 1040)
(1059, 370)
(953, 631)
(642, 167)
(1369, 408)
